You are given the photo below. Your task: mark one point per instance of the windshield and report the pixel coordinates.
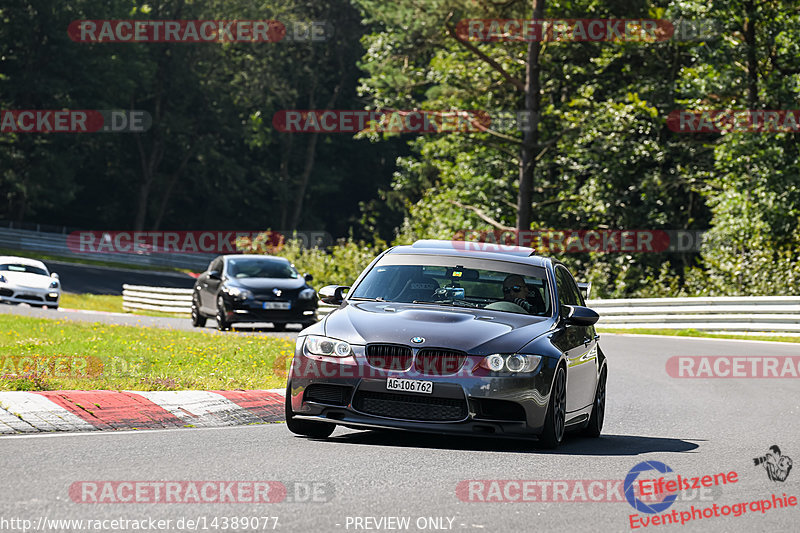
(24, 268)
(251, 267)
(455, 285)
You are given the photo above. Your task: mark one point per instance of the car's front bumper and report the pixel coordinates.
(16, 294)
(252, 310)
(471, 402)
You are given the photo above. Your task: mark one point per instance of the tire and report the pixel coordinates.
(278, 327)
(555, 421)
(307, 428)
(595, 425)
(53, 307)
(222, 320)
(198, 320)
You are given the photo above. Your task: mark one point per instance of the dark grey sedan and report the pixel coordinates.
(441, 338)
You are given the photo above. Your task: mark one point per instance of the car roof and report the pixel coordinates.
(478, 250)
(7, 259)
(255, 256)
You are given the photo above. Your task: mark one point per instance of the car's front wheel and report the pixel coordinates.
(198, 320)
(222, 318)
(595, 425)
(317, 430)
(555, 421)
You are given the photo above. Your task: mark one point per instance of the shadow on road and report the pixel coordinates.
(606, 445)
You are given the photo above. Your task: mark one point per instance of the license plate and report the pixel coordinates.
(277, 305)
(409, 385)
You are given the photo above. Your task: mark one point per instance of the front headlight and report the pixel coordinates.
(319, 345)
(53, 284)
(306, 294)
(238, 293)
(515, 363)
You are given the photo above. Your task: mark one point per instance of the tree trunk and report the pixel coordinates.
(530, 139)
(752, 60)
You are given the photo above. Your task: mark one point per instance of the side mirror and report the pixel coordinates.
(214, 274)
(332, 294)
(577, 315)
(55, 276)
(308, 277)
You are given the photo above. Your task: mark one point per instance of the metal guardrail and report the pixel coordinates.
(56, 244)
(169, 300)
(762, 314)
(730, 314)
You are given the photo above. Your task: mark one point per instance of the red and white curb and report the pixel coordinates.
(31, 412)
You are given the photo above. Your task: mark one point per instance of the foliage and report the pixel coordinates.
(339, 265)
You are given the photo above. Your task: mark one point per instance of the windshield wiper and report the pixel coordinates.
(362, 299)
(455, 303)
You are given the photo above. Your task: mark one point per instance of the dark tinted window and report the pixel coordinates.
(30, 269)
(567, 289)
(254, 267)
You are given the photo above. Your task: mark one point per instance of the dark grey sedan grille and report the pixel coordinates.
(439, 362)
(410, 407)
(389, 356)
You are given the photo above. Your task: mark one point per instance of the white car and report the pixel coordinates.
(28, 281)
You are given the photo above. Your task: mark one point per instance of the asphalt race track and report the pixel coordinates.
(87, 279)
(695, 426)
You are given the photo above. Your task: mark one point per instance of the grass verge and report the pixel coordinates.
(42, 354)
(696, 333)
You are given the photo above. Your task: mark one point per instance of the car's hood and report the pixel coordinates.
(477, 331)
(26, 279)
(267, 283)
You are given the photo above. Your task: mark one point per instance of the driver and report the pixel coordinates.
(516, 291)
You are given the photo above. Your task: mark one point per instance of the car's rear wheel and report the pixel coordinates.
(555, 421)
(198, 320)
(317, 430)
(595, 425)
(222, 319)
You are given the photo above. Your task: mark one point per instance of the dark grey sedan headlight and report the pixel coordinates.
(237, 293)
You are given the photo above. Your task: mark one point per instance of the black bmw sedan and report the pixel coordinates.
(253, 288)
(441, 338)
